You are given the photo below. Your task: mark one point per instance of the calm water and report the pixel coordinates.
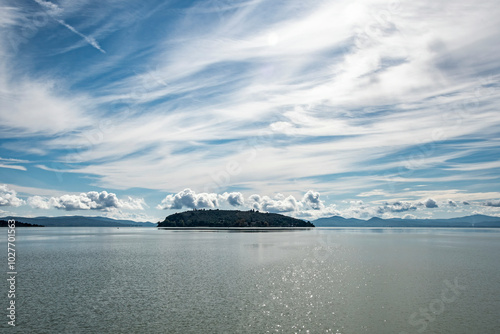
(138, 280)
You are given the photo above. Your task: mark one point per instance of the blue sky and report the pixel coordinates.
(136, 110)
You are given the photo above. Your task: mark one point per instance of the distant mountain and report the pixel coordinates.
(469, 221)
(230, 218)
(80, 221)
(337, 221)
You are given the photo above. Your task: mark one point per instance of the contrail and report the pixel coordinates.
(89, 40)
(54, 9)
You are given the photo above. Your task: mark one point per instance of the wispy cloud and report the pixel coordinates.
(54, 10)
(12, 164)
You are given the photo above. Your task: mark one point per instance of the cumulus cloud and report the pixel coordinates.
(92, 200)
(398, 206)
(326, 211)
(131, 203)
(8, 197)
(190, 199)
(279, 203)
(358, 209)
(312, 200)
(86, 201)
(495, 204)
(430, 203)
(39, 202)
(309, 206)
(234, 198)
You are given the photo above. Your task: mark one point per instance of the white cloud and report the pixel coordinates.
(399, 206)
(135, 216)
(12, 164)
(311, 199)
(8, 197)
(92, 200)
(39, 202)
(234, 198)
(190, 199)
(278, 204)
(52, 8)
(326, 211)
(86, 201)
(495, 204)
(32, 191)
(475, 166)
(374, 192)
(33, 108)
(430, 203)
(310, 206)
(386, 210)
(132, 203)
(13, 167)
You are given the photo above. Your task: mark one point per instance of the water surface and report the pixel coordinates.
(145, 280)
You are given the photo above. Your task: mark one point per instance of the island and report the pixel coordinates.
(231, 219)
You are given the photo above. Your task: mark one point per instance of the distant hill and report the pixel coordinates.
(231, 218)
(5, 223)
(80, 221)
(469, 221)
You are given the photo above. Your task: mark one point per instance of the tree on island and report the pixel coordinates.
(230, 218)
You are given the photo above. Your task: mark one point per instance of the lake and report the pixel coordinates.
(325, 280)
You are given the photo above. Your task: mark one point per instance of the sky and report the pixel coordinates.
(139, 109)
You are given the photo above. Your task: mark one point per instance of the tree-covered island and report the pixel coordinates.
(5, 223)
(230, 218)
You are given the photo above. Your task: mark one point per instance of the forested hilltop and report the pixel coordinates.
(4, 223)
(230, 218)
